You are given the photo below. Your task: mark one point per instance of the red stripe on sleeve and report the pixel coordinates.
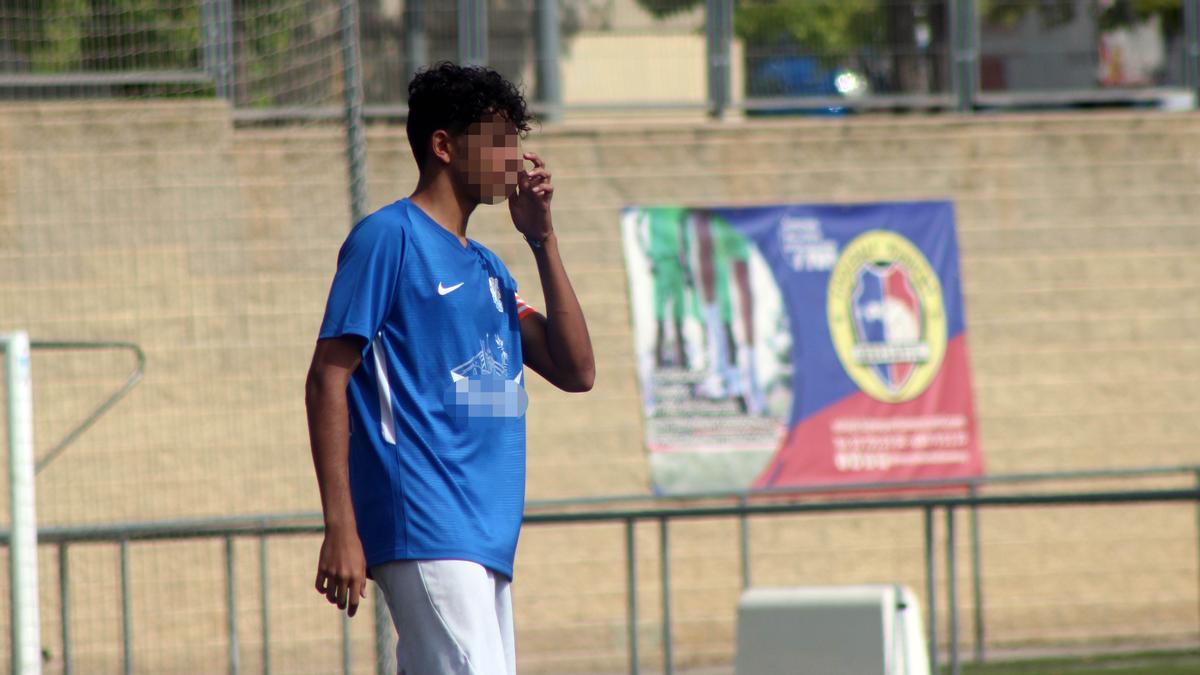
(523, 308)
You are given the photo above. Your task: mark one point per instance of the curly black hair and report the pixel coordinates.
(453, 97)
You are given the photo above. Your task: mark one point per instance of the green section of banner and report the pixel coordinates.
(712, 346)
(684, 472)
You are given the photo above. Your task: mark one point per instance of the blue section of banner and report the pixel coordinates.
(803, 243)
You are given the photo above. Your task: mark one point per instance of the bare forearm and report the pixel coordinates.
(567, 336)
(328, 433)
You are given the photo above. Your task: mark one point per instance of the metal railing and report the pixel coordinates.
(622, 509)
(743, 507)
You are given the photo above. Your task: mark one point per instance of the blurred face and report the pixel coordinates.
(489, 159)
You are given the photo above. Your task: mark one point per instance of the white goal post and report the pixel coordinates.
(22, 546)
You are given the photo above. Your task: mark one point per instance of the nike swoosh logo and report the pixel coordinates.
(443, 290)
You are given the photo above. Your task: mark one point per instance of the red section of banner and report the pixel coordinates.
(862, 440)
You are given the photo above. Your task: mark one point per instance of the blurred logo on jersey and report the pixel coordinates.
(480, 386)
(886, 316)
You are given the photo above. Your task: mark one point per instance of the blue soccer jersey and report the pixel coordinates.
(437, 427)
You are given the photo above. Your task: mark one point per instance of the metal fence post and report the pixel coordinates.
(228, 77)
(977, 577)
(964, 53)
(231, 607)
(356, 146)
(126, 618)
(24, 614)
(210, 34)
(718, 23)
(664, 550)
(1191, 66)
(265, 603)
(346, 661)
(744, 547)
(549, 51)
(416, 48)
(217, 28)
(631, 594)
(931, 589)
(1197, 478)
(64, 610)
(472, 32)
(952, 589)
(954, 39)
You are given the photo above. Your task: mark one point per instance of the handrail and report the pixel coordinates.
(301, 524)
(183, 528)
(1059, 499)
(131, 381)
(948, 483)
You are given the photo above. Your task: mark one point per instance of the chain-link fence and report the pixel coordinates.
(276, 53)
(179, 176)
(280, 58)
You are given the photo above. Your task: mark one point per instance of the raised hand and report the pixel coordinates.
(530, 204)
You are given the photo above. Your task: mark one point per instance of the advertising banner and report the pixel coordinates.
(800, 345)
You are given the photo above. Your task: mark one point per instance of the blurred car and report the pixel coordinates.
(801, 76)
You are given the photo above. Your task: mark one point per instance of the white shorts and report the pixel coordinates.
(453, 617)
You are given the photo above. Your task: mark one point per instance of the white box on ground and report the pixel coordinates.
(830, 630)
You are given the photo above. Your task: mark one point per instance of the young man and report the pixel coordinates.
(415, 395)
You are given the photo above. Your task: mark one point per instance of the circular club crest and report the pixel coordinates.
(886, 316)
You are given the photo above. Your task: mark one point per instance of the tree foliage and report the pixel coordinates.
(845, 25)
(827, 26)
(65, 36)
(1117, 14)
(73, 35)
(819, 25)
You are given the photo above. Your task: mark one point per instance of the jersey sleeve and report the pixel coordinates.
(364, 286)
(524, 309)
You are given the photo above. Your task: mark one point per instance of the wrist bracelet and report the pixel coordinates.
(534, 243)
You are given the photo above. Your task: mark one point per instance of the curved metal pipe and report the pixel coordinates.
(131, 381)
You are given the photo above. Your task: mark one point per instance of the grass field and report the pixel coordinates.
(1150, 663)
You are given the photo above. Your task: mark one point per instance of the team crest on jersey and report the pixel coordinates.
(490, 360)
(480, 386)
(886, 316)
(494, 283)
